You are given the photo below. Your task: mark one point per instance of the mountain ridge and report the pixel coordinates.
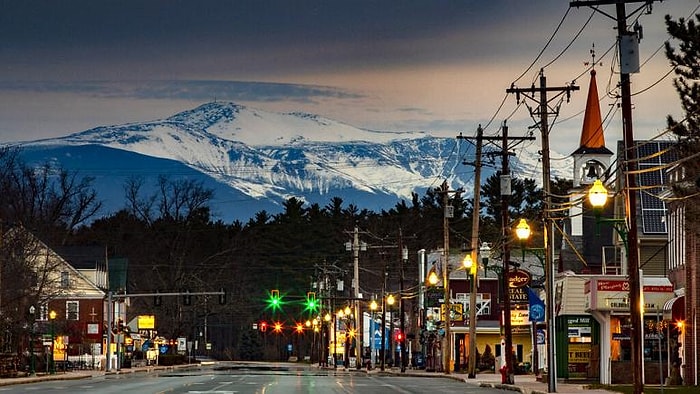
(270, 157)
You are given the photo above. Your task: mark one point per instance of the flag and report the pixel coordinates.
(536, 306)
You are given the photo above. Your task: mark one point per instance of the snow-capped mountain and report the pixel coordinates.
(255, 160)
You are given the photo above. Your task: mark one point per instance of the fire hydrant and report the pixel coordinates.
(504, 374)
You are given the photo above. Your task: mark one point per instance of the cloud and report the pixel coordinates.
(187, 90)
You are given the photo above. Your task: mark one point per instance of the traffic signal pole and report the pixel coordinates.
(112, 297)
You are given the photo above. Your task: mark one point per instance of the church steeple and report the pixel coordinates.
(592, 158)
(592, 136)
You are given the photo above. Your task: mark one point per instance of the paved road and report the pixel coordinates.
(231, 378)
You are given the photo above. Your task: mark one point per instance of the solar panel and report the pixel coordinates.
(650, 179)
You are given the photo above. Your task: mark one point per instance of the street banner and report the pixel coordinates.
(536, 306)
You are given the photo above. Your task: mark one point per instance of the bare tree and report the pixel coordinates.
(38, 205)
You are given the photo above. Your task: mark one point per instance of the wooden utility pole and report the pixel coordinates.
(356, 294)
(446, 215)
(505, 241)
(544, 111)
(474, 254)
(629, 64)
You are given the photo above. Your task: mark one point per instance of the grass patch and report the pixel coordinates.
(629, 389)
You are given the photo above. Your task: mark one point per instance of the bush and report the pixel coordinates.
(487, 361)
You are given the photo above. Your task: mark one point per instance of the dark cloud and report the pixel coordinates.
(186, 90)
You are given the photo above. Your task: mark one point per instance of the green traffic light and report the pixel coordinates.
(311, 302)
(275, 302)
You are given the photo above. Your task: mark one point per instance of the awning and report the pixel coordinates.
(674, 309)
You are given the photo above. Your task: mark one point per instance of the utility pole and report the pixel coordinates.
(474, 254)
(356, 290)
(506, 235)
(544, 112)
(629, 63)
(447, 214)
(403, 257)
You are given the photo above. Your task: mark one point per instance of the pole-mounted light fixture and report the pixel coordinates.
(522, 230)
(468, 263)
(433, 278)
(598, 195)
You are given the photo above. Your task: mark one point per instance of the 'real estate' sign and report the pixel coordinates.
(517, 282)
(518, 278)
(613, 295)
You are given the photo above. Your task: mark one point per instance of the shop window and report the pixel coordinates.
(655, 339)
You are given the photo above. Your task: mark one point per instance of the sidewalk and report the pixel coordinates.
(84, 374)
(526, 384)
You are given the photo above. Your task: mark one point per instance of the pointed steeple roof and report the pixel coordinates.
(592, 136)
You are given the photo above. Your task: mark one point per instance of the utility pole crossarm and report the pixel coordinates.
(122, 296)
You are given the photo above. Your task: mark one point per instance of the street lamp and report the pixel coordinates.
(373, 309)
(522, 232)
(340, 315)
(52, 364)
(433, 278)
(471, 268)
(32, 369)
(597, 196)
(390, 301)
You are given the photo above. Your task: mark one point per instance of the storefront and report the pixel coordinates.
(607, 299)
(580, 347)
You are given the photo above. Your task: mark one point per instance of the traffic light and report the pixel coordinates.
(222, 296)
(263, 326)
(278, 327)
(311, 302)
(399, 336)
(275, 301)
(157, 300)
(300, 328)
(187, 298)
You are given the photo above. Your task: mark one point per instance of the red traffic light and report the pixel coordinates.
(399, 336)
(263, 326)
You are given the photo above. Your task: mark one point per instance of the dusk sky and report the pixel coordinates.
(440, 66)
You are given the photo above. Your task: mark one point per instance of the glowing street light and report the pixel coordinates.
(52, 364)
(433, 278)
(32, 368)
(597, 195)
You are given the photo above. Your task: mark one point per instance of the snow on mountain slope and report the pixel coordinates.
(276, 156)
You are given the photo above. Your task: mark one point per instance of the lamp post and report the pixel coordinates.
(471, 269)
(522, 231)
(404, 258)
(597, 196)
(373, 310)
(340, 316)
(349, 334)
(52, 364)
(32, 366)
(327, 318)
(390, 300)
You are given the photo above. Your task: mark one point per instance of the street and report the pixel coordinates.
(238, 378)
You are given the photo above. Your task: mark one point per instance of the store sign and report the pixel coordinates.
(519, 317)
(457, 312)
(518, 278)
(146, 322)
(614, 295)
